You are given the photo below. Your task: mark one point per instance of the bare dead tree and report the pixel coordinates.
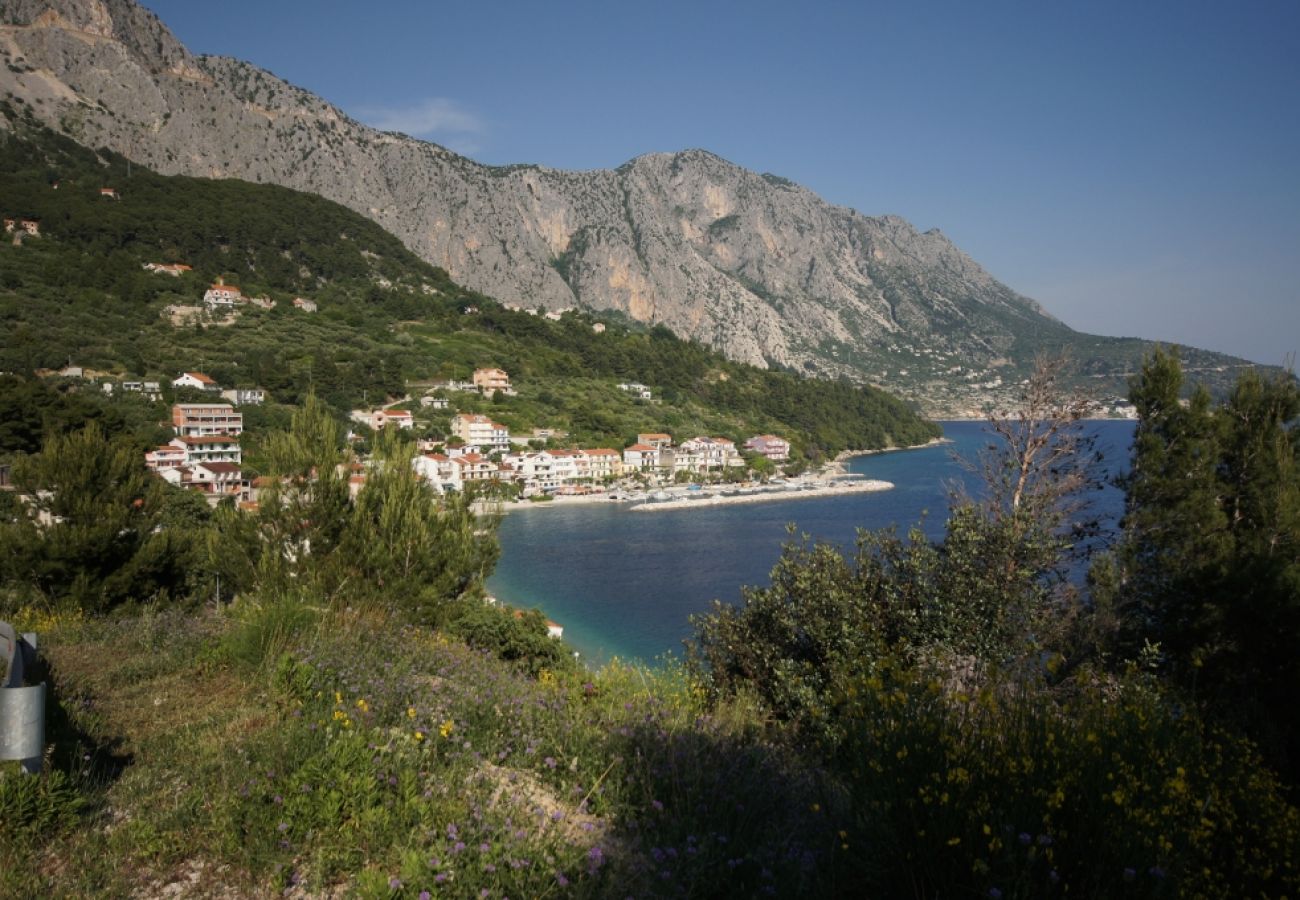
(1046, 461)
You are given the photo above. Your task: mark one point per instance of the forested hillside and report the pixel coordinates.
(79, 293)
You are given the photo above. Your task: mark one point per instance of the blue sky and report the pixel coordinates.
(1135, 167)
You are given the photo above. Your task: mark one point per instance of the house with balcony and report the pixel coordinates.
(655, 439)
(603, 463)
(641, 457)
(489, 381)
(164, 457)
(473, 428)
(437, 469)
(209, 448)
(206, 418)
(774, 448)
(474, 467)
(215, 479)
(222, 296)
(713, 452)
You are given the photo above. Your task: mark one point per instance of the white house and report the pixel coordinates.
(209, 448)
(164, 457)
(245, 396)
(194, 380)
(478, 429)
(714, 452)
(473, 467)
(641, 458)
(222, 295)
(437, 469)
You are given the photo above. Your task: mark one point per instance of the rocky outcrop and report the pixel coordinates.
(752, 264)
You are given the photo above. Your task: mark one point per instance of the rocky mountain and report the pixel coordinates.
(749, 263)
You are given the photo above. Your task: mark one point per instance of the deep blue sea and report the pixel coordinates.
(624, 583)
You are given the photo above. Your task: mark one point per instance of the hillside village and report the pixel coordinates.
(205, 455)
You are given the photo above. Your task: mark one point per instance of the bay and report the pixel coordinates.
(624, 583)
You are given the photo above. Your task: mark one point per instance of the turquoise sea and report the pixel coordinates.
(624, 583)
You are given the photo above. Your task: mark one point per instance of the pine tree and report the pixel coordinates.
(1210, 556)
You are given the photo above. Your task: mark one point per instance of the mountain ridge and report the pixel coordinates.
(747, 262)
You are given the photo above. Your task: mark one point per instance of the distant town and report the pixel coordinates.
(205, 454)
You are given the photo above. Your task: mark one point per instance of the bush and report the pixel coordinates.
(1007, 792)
(517, 636)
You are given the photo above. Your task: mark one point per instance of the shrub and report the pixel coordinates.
(1008, 792)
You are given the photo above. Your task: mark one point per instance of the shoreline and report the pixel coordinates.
(830, 480)
(845, 455)
(806, 491)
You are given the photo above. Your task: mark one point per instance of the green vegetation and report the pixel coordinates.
(920, 720)
(387, 320)
(1209, 568)
(312, 697)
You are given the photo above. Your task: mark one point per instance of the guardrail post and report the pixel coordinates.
(22, 706)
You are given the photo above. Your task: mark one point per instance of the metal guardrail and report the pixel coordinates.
(22, 706)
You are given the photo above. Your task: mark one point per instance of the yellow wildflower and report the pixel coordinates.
(446, 728)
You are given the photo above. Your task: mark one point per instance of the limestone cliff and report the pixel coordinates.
(750, 263)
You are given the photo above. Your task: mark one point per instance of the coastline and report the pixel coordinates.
(806, 491)
(831, 479)
(846, 455)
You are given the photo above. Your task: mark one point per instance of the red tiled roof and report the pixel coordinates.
(199, 376)
(640, 448)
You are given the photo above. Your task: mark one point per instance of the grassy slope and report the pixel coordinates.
(210, 762)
